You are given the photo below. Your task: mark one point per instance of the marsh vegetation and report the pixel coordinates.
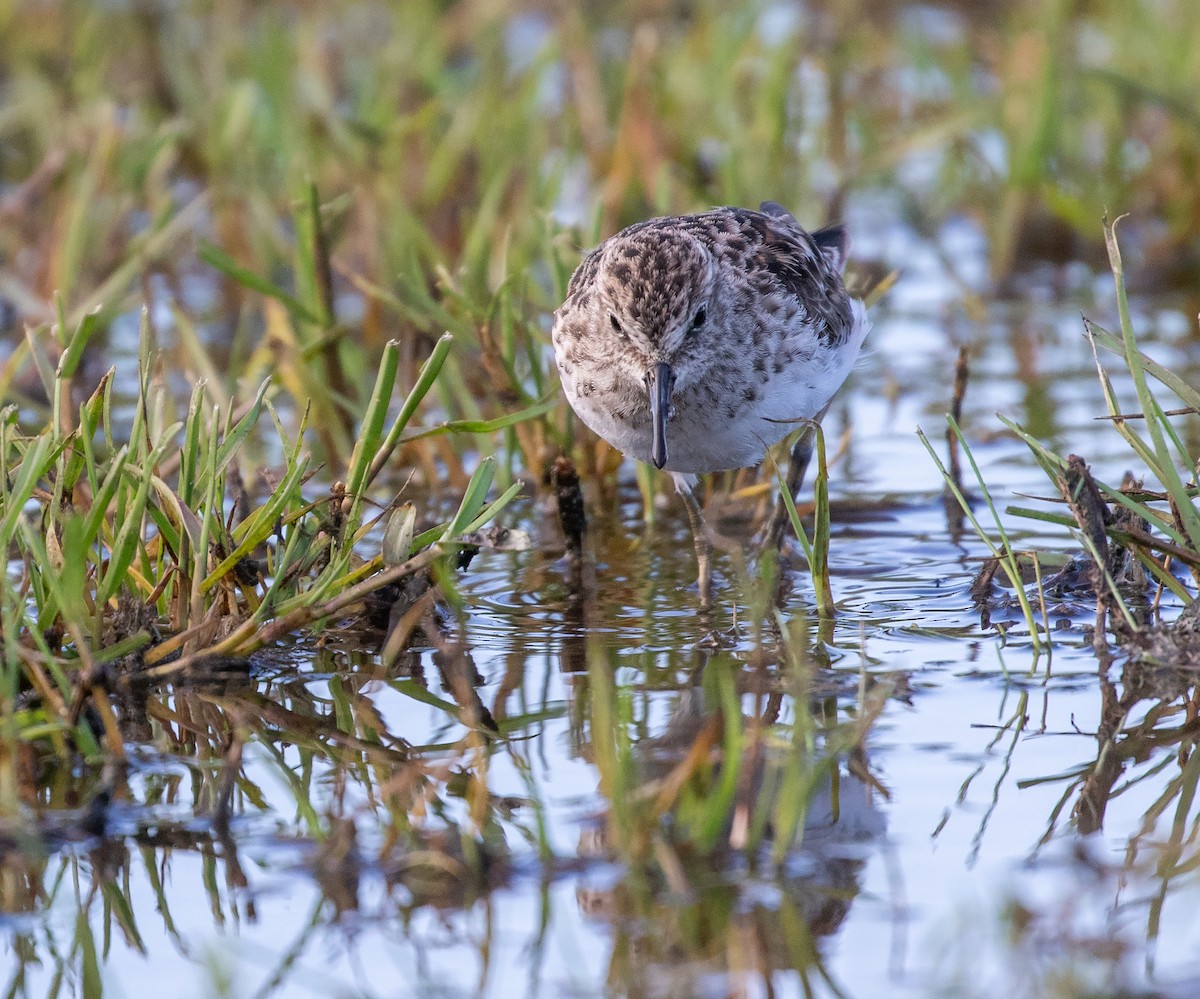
(312, 685)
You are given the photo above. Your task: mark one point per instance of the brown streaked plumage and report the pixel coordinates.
(694, 342)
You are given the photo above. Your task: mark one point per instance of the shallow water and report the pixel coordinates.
(954, 869)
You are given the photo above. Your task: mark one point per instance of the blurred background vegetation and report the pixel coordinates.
(462, 154)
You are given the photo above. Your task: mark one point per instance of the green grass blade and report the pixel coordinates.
(215, 257)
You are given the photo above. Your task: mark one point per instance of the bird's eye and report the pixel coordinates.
(698, 319)
(615, 325)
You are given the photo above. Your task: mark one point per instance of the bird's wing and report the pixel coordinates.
(807, 265)
(832, 241)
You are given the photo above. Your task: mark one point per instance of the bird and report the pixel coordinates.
(695, 342)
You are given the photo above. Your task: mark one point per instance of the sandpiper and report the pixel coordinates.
(694, 342)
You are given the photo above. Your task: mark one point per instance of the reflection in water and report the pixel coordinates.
(321, 801)
(700, 917)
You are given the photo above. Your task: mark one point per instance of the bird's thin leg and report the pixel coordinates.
(797, 468)
(684, 485)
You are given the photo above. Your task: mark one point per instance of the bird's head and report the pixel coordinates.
(655, 289)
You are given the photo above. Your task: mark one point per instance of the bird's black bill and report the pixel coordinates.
(660, 379)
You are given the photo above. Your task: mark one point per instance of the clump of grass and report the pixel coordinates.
(1160, 528)
(1157, 529)
(136, 548)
